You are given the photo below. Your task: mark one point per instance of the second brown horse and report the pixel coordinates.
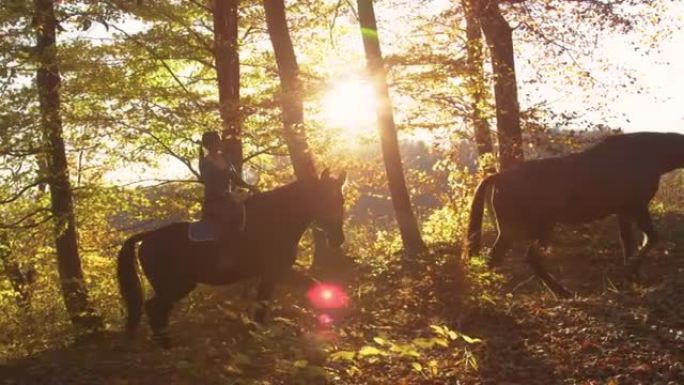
(619, 175)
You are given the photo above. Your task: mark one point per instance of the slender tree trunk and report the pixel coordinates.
(291, 98)
(226, 55)
(475, 81)
(20, 279)
(408, 227)
(68, 260)
(499, 38)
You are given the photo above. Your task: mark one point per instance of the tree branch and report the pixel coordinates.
(16, 224)
(23, 190)
(266, 150)
(154, 56)
(162, 182)
(170, 151)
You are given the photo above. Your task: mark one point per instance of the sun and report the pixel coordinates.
(349, 106)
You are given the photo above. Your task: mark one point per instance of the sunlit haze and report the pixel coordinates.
(349, 106)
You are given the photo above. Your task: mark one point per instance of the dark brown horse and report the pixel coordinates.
(275, 222)
(619, 175)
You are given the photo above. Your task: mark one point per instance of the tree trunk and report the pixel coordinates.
(68, 260)
(475, 81)
(408, 227)
(226, 55)
(291, 96)
(20, 279)
(499, 38)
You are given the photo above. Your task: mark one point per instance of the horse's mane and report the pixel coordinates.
(635, 138)
(285, 191)
(284, 203)
(617, 140)
(660, 146)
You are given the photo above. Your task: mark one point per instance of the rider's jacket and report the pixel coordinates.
(218, 183)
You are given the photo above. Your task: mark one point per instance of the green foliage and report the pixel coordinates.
(424, 356)
(448, 223)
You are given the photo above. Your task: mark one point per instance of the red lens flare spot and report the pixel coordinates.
(325, 319)
(327, 296)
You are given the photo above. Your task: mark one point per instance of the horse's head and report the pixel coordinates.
(328, 206)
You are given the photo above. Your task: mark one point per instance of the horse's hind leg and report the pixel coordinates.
(645, 224)
(499, 249)
(503, 242)
(535, 262)
(158, 310)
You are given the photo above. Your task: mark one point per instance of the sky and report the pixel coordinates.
(660, 75)
(661, 108)
(655, 103)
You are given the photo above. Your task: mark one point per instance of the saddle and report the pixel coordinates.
(205, 230)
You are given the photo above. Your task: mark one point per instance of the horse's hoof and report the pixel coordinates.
(562, 292)
(162, 340)
(634, 276)
(130, 335)
(633, 271)
(260, 316)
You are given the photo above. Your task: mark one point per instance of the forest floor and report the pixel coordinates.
(418, 324)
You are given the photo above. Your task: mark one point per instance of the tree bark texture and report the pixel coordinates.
(475, 81)
(408, 226)
(227, 58)
(499, 38)
(66, 245)
(291, 96)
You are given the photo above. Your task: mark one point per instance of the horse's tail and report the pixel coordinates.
(472, 244)
(129, 282)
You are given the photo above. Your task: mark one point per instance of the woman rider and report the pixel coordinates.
(218, 206)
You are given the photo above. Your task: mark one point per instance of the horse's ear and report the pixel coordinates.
(342, 178)
(325, 174)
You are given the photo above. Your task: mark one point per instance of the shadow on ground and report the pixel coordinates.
(214, 342)
(613, 332)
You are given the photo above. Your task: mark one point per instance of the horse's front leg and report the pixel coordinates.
(535, 262)
(264, 294)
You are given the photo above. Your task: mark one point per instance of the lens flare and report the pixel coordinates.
(325, 319)
(327, 296)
